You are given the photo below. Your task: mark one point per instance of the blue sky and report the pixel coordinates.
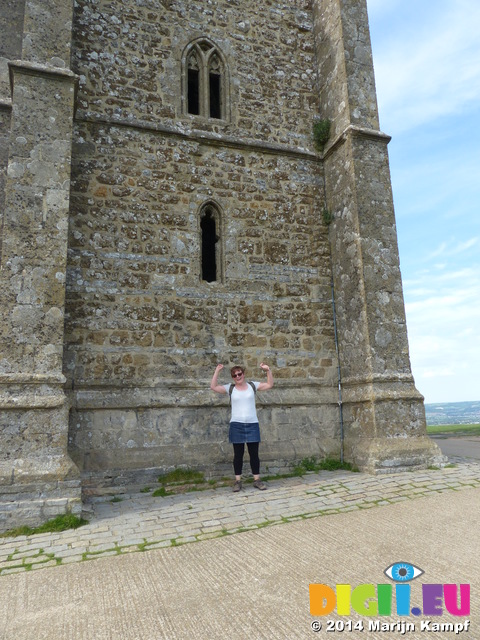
(427, 70)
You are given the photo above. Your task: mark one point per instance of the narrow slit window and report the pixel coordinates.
(215, 96)
(209, 246)
(193, 86)
(193, 94)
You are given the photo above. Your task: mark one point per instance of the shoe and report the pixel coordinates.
(258, 484)
(237, 486)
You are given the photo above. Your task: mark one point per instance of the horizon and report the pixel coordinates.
(461, 402)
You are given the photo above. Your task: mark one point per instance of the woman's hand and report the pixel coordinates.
(214, 386)
(263, 386)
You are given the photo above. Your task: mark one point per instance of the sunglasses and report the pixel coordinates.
(237, 375)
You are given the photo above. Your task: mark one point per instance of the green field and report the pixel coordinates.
(463, 429)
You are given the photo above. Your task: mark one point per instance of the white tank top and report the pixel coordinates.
(243, 404)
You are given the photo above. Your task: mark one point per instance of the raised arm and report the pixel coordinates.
(214, 386)
(263, 386)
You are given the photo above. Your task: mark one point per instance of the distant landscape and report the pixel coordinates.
(453, 413)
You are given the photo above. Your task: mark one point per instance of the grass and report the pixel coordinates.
(328, 464)
(321, 132)
(464, 429)
(313, 465)
(60, 523)
(180, 481)
(187, 480)
(161, 493)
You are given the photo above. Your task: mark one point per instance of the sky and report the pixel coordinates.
(427, 70)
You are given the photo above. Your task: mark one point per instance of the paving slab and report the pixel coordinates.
(247, 577)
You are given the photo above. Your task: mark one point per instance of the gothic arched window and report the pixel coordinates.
(205, 81)
(211, 243)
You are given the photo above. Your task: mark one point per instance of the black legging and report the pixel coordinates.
(238, 451)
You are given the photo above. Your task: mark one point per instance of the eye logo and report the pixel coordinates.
(403, 572)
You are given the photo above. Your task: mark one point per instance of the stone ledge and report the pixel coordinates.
(162, 396)
(394, 455)
(353, 130)
(32, 378)
(42, 472)
(35, 69)
(380, 388)
(31, 400)
(200, 136)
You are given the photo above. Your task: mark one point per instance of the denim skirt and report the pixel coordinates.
(244, 432)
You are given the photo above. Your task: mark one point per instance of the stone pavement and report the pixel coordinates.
(198, 582)
(142, 522)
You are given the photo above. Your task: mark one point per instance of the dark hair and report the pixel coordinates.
(236, 368)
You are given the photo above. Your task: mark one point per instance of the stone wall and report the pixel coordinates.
(384, 415)
(143, 331)
(11, 29)
(113, 164)
(37, 478)
(129, 60)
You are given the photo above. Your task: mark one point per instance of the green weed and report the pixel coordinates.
(328, 464)
(162, 492)
(60, 523)
(321, 132)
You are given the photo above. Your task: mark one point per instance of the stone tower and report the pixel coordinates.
(162, 209)
(38, 479)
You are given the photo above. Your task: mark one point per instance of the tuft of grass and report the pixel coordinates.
(187, 480)
(327, 216)
(180, 480)
(331, 464)
(161, 493)
(328, 464)
(60, 523)
(321, 132)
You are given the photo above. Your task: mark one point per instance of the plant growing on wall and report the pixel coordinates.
(327, 216)
(321, 132)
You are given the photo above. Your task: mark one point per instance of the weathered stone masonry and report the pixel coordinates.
(38, 479)
(110, 332)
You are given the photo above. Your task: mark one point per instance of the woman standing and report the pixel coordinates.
(244, 427)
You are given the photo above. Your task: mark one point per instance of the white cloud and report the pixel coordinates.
(451, 249)
(444, 333)
(463, 246)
